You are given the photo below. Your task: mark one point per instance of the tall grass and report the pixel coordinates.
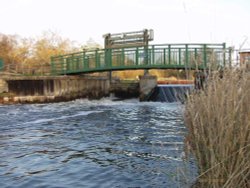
(218, 123)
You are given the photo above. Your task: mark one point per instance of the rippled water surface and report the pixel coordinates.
(93, 144)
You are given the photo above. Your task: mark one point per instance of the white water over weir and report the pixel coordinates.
(170, 93)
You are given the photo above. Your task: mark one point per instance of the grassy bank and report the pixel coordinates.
(218, 123)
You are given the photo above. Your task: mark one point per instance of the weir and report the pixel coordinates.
(170, 93)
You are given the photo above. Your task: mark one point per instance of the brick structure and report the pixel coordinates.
(245, 59)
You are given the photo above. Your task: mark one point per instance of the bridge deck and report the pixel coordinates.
(164, 56)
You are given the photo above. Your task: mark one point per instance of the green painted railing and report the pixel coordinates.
(163, 56)
(1, 64)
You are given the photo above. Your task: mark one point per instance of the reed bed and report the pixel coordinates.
(218, 123)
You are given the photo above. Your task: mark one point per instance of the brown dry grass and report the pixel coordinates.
(218, 123)
(161, 74)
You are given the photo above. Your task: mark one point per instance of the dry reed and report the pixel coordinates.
(218, 123)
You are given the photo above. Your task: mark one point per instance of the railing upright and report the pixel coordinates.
(186, 56)
(179, 56)
(196, 58)
(146, 56)
(164, 56)
(123, 57)
(153, 54)
(169, 54)
(204, 56)
(137, 56)
(230, 57)
(97, 61)
(224, 54)
(62, 65)
(108, 58)
(83, 59)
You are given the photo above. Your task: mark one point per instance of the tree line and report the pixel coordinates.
(16, 51)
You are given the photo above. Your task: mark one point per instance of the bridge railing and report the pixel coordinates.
(163, 56)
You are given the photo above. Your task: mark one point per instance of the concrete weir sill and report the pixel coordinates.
(52, 89)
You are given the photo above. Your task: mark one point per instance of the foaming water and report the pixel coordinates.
(93, 144)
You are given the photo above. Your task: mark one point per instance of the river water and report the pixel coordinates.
(94, 144)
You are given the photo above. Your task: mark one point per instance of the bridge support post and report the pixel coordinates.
(147, 85)
(110, 76)
(3, 86)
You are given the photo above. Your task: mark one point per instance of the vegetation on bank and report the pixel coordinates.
(218, 123)
(21, 55)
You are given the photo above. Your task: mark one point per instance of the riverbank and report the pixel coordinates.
(218, 123)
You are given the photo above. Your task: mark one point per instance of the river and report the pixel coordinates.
(101, 143)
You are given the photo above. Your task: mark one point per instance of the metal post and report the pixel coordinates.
(153, 54)
(136, 56)
(230, 57)
(64, 65)
(186, 55)
(195, 57)
(179, 56)
(72, 62)
(164, 56)
(97, 62)
(169, 54)
(146, 55)
(83, 60)
(110, 65)
(78, 63)
(67, 65)
(110, 58)
(146, 60)
(107, 57)
(146, 50)
(224, 54)
(187, 61)
(195, 53)
(204, 56)
(123, 58)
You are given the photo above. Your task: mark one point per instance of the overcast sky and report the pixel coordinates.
(173, 21)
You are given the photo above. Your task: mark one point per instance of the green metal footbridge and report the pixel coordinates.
(163, 56)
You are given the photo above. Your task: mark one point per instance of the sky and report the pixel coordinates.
(173, 21)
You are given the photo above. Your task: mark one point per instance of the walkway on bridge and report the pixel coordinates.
(163, 56)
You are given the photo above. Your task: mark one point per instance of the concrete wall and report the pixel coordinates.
(3, 86)
(55, 89)
(147, 84)
(65, 88)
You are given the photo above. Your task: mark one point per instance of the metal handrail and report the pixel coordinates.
(163, 56)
